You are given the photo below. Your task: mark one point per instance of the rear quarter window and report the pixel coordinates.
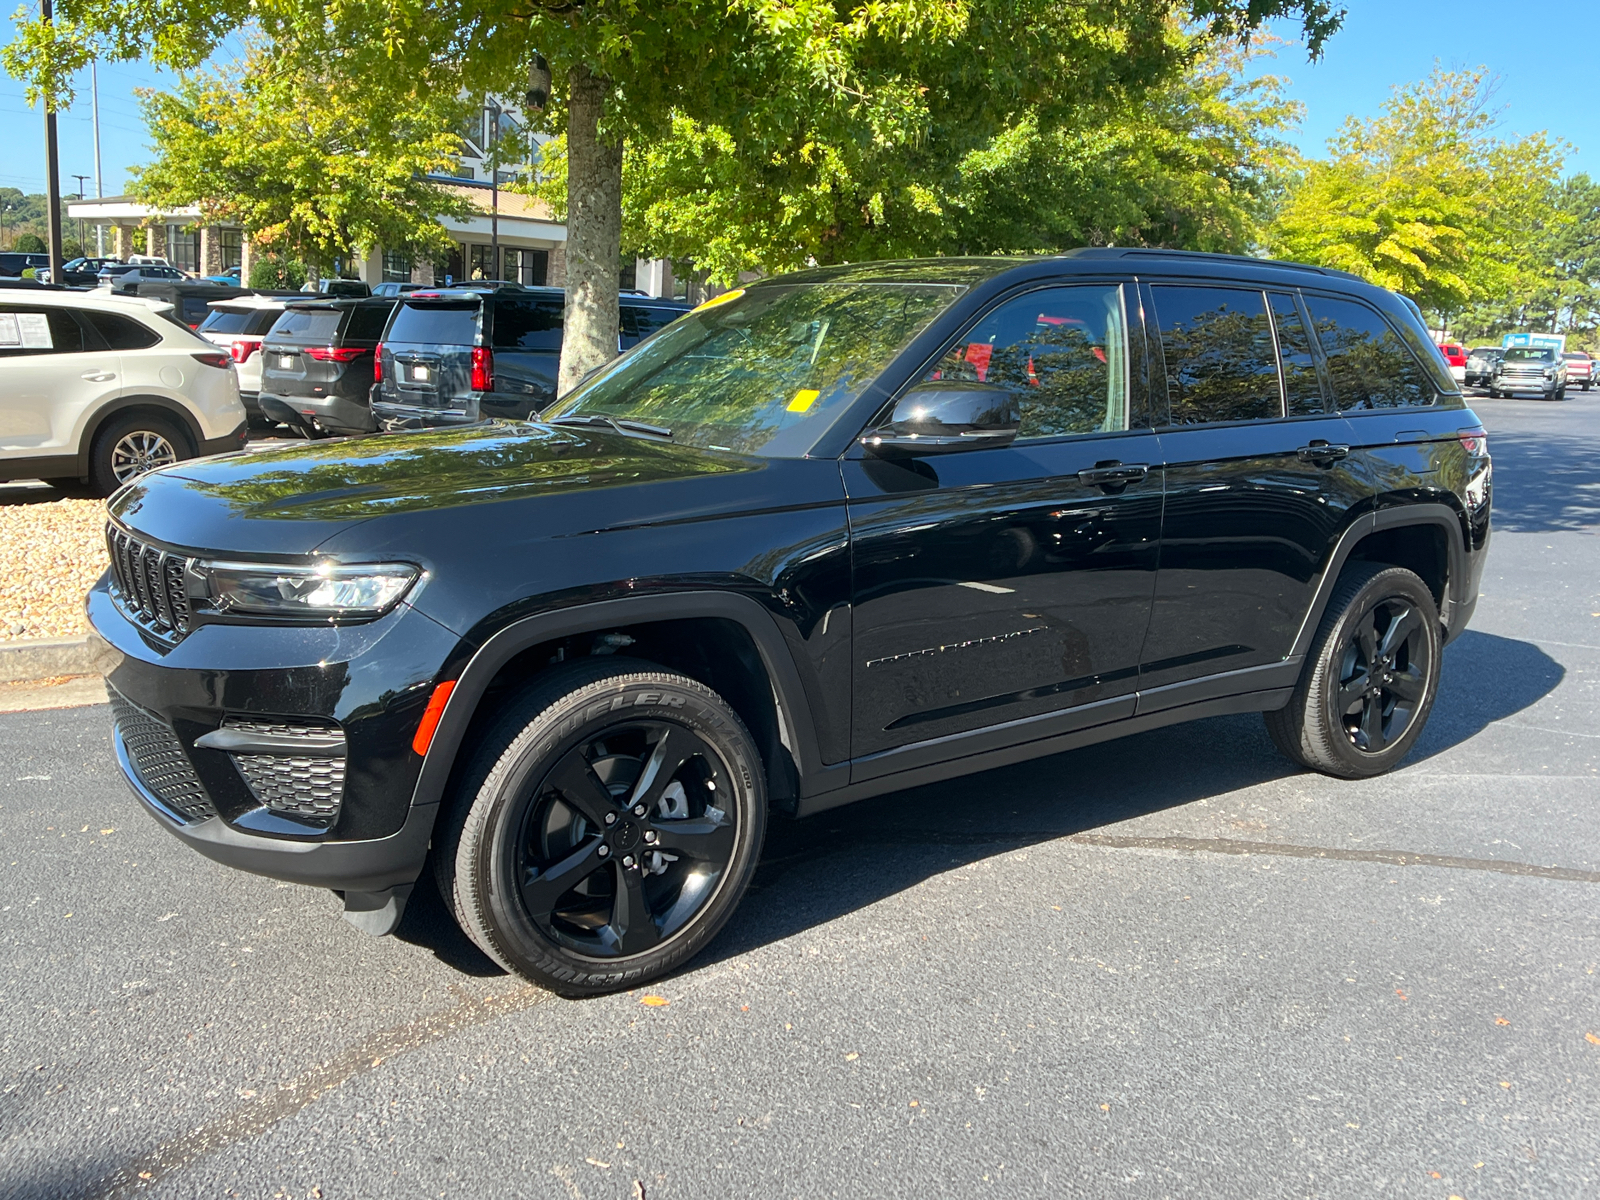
(527, 325)
(1369, 365)
(120, 332)
(436, 324)
(367, 322)
(250, 322)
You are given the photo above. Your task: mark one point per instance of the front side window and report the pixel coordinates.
(759, 372)
(1063, 352)
(1221, 362)
(1368, 364)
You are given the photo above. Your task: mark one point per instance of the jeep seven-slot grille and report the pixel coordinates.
(308, 786)
(149, 582)
(158, 759)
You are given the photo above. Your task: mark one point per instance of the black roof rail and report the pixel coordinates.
(1207, 256)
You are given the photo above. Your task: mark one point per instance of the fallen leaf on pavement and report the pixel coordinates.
(595, 1162)
(1589, 1037)
(103, 832)
(1501, 1021)
(654, 1001)
(1504, 1084)
(852, 1056)
(1401, 994)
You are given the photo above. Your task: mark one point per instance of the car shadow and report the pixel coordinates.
(809, 873)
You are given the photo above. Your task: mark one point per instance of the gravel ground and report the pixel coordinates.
(52, 549)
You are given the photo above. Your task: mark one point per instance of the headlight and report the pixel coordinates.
(325, 590)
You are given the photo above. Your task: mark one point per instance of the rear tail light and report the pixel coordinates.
(377, 364)
(482, 369)
(338, 354)
(1474, 441)
(243, 348)
(215, 358)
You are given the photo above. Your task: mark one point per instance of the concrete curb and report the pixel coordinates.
(43, 658)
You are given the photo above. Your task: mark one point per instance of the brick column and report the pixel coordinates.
(155, 239)
(557, 273)
(422, 272)
(247, 255)
(210, 250)
(121, 243)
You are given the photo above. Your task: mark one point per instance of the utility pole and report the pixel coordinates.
(52, 167)
(99, 191)
(81, 194)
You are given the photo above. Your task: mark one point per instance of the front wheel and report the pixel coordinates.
(1370, 680)
(607, 828)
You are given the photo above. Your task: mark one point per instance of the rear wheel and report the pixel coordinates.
(607, 827)
(1369, 683)
(128, 446)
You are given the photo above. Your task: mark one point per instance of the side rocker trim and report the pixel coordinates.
(788, 692)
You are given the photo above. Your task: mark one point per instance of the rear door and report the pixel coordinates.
(52, 371)
(525, 334)
(1259, 480)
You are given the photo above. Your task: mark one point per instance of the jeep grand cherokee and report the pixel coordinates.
(840, 533)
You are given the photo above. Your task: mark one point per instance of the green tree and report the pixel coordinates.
(854, 76)
(308, 162)
(274, 273)
(29, 243)
(1426, 199)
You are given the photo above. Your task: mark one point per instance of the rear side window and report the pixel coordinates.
(444, 324)
(642, 322)
(249, 322)
(120, 332)
(38, 331)
(1302, 393)
(195, 309)
(1368, 364)
(367, 322)
(527, 325)
(307, 325)
(1221, 363)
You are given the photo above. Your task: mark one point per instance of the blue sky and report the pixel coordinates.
(1381, 44)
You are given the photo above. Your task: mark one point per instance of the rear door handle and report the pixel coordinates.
(99, 376)
(1318, 452)
(1114, 473)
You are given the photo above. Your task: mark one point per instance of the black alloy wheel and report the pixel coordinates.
(625, 841)
(1370, 678)
(1383, 674)
(606, 828)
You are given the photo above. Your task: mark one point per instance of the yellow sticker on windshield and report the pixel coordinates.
(722, 299)
(803, 400)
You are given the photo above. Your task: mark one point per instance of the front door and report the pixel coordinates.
(1002, 585)
(1259, 480)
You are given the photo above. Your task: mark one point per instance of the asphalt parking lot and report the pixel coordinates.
(1170, 966)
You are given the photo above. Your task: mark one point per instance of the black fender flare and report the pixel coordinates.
(796, 728)
(1399, 516)
(109, 410)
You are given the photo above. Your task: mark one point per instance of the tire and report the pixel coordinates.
(1584, 386)
(1375, 610)
(1494, 393)
(125, 443)
(553, 796)
(1561, 392)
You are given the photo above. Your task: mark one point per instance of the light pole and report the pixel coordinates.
(80, 179)
(52, 167)
(492, 108)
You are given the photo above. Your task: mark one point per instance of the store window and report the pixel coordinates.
(230, 245)
(482, 263)
(183, 247)
(528, 267)
(396, 266)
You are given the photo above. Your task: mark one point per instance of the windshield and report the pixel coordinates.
(760, 373)
(1530, 356)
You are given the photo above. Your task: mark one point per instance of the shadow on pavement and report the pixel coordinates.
(809, 876)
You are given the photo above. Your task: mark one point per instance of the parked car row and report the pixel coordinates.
(101, 386)
(1521, 369)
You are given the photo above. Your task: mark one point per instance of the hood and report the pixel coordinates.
(292, 500)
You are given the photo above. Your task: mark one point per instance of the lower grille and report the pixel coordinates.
(309, 786)
(159, 760)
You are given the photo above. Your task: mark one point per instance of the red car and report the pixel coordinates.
(1456, 355)
(1580, 369)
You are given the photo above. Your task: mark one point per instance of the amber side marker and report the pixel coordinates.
(431, 715)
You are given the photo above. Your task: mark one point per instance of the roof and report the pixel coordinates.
(63, 299)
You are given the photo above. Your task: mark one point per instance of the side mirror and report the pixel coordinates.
(942, 418)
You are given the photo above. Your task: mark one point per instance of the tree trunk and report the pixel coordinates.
(594, 232)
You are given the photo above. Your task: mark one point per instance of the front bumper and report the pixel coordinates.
(369, 681)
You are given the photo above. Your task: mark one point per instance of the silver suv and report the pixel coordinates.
(1530, 369)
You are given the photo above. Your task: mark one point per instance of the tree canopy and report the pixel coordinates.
(306, 161)
(1427, 199)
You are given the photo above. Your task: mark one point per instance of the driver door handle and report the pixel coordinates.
(1114, 473)
(1319, 451)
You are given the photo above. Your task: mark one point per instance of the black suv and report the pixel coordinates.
(318, 362)
(844, 532)
(457, 355)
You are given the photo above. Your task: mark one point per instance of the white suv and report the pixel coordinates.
(101, 388)
(239, 325)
